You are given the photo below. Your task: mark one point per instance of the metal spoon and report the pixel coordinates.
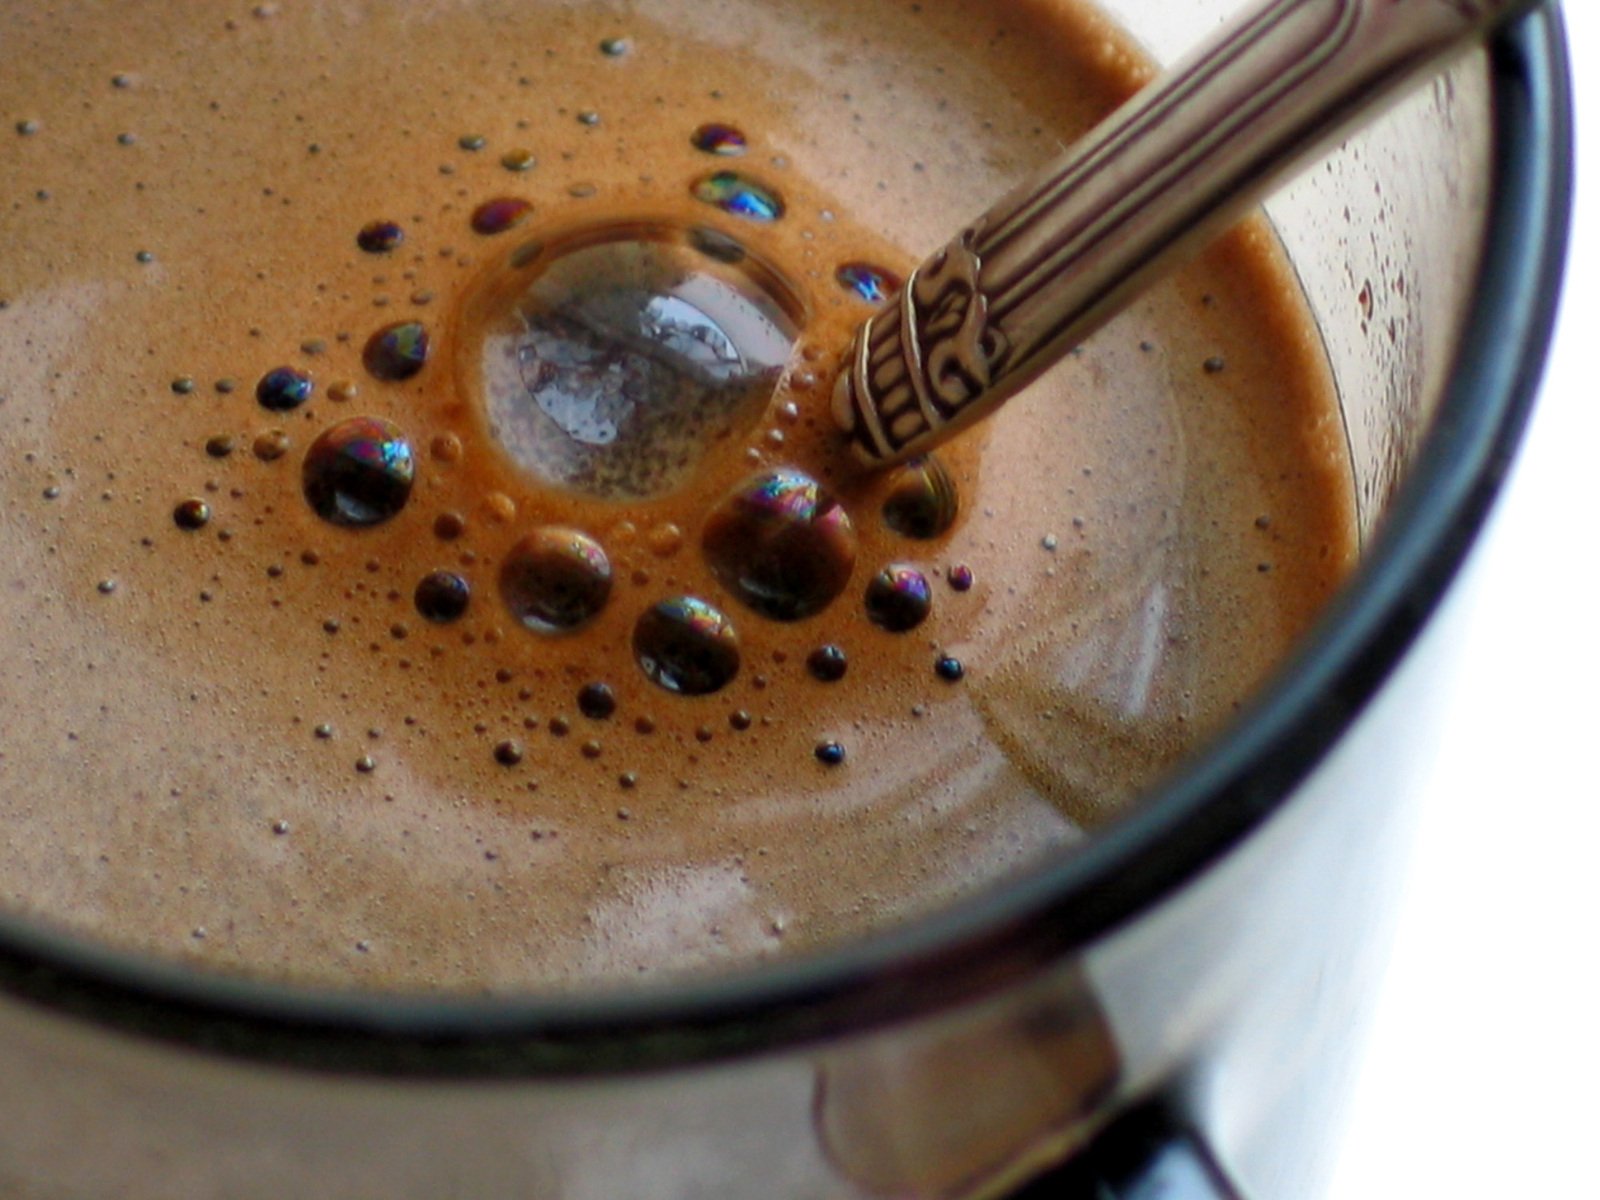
(1065, 251)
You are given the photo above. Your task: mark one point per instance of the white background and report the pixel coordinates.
(1482, 1072)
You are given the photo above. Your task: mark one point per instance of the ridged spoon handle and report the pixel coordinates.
(1062, 253)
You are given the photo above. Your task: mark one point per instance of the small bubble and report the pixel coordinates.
(224, 387)
(342, 390)
(922, 502)
(284, 388)
(358, 472)
(500, 214)
(191, 514)
(126, 139)
(722, 140)
(122, 80)
(270, 445)
(898, 598)
(379, 237)
(396, 352)
(518, 160)
(961, 578)
(508, 753)
(27, 128)
(472, 141)
(626, 781)
(741, 196)
(665, 540)
(446, 448)
(740, 719)
(499, 508)
(590, 749)
(280, 827)
(442, 596)
(1214, 365)
(830, 753)
(949, 668)
(870, 283)
(448, 526)
(589, 117)
(828, 663)
(220, 445)
(366, 764)
(183, 385)
(106, 586)
(555, 579)
(782, 544)
(323, 731)
(615, 47)
(686, 646)
(596, 701)
(1049, 542)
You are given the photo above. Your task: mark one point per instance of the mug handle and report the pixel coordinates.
(1144, 1156)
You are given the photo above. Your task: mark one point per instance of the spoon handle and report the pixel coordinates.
(1060, 255)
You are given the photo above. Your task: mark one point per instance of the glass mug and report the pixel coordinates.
(1169, 1004)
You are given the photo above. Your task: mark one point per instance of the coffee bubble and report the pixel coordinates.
(782, 544)
(396, 352)
(827, 663)
(270, 445)
(898, 598)
(830, 753)
(740, 195)
(379, 237)
(191, 514)
(686, 646)
(870, 283)
(722, 140)
(442, 596)
(500, 214)
(283, 388)
(597, 701)
(358, 472)
(922, 502)
(615, 357)
(555, 579)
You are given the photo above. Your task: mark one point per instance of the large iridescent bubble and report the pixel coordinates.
(782, 544)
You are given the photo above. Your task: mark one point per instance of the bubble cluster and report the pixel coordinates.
(500, 214)
(358, 472)
(686, 646)
(922, 502)
(283, 389)
(870, 283)
(782, 544)
(442, 597)
(740, 195)
(898, 598)
(722, 140)
(396, 352)
(555, 579)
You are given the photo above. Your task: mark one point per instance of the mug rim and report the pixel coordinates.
(1045, 915)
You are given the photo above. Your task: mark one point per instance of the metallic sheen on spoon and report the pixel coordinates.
(1062, 253)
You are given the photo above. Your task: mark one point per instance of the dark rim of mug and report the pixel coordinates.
(1006, 936)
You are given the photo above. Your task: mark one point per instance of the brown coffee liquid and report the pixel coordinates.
(430, 563)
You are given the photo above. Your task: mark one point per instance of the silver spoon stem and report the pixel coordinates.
(1066, 250)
